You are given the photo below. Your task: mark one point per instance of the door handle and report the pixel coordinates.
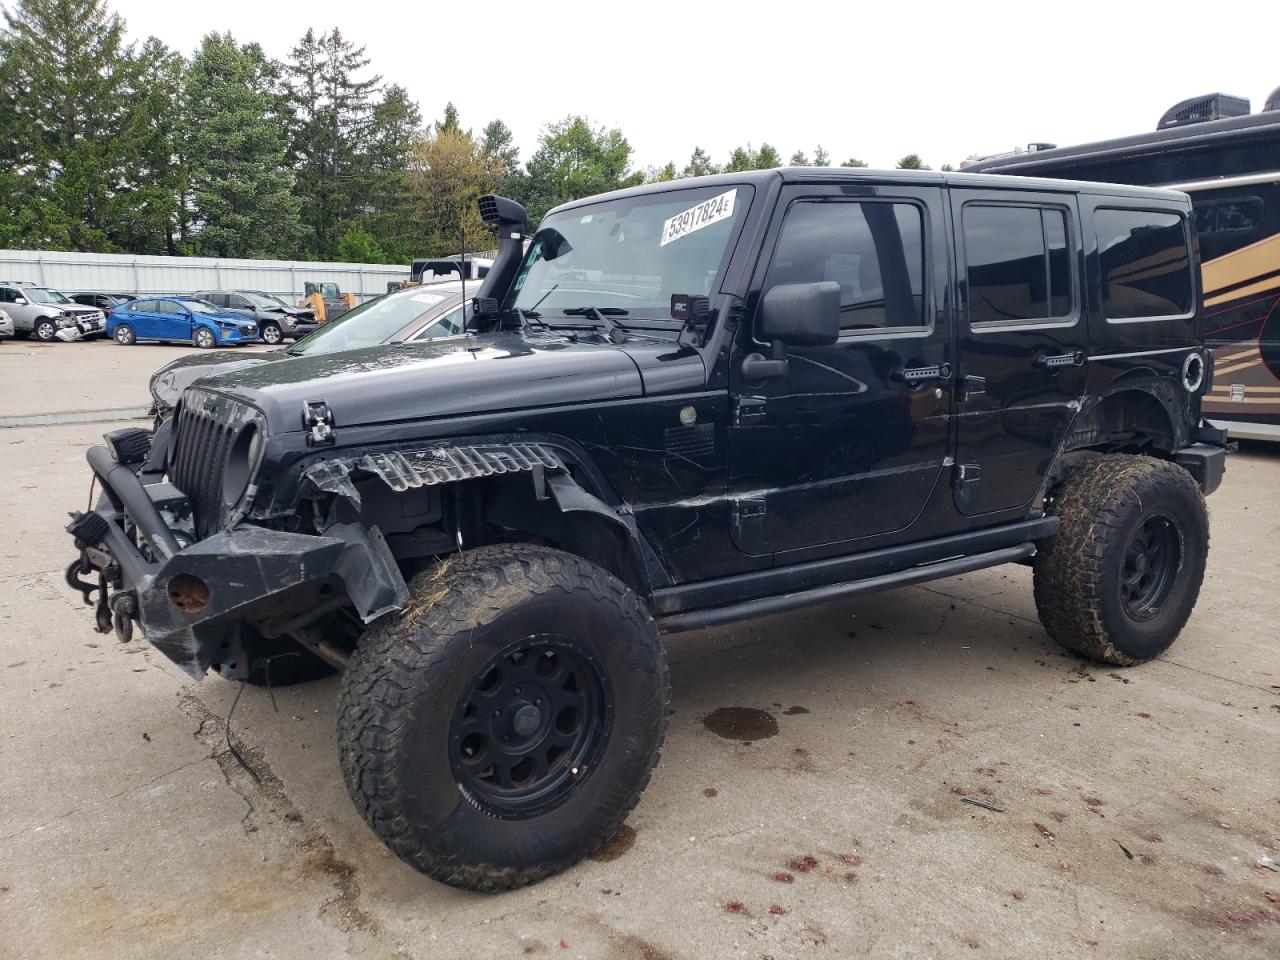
(1056, 361)
(914, 376)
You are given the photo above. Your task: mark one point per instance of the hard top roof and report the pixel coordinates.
(1253, 126)
(962, 178)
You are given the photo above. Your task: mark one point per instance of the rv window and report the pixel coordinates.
(1145, 264)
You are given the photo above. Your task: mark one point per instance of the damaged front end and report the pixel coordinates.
(178, 559)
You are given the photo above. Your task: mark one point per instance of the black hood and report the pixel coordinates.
(169, 381)
(426, 380)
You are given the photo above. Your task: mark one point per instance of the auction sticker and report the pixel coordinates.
(427, 298)
(696, 217)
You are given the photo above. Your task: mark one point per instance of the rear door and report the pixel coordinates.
(1023, 341)
(141, 316)
(849, 444)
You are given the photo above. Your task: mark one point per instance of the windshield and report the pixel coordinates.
(201, 306)
(374, 322)
(633, 254)
(265, 300)
(44, 295)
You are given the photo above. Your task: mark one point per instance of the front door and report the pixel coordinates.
(175, 322)
(1023, 343)
(849, 444)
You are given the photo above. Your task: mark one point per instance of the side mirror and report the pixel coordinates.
(20, 301)
(795, 314)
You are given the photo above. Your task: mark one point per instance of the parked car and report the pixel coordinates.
(277, 321)
(689, 404)
(6, 326)
(421, 313)
(180, 318)
(106, 302)
(48, 314)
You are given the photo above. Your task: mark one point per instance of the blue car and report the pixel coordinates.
(183, 319)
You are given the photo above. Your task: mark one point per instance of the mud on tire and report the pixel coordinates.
(501, 727)
(1119, 580)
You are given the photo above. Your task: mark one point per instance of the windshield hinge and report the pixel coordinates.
(749, 410)
(317, 420)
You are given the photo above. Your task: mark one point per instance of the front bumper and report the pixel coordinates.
(191, 599)
(82, 330)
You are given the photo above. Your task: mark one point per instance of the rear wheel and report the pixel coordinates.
(502, 726)
(125, 336)
(204, 339)
(272, 334)
(1120, 579)
(46, 329)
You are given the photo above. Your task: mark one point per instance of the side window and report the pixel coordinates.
(1018, 264)
(1145, 264)
(7, 295)
(143, 306)
(875, 251)
(449, 325)
(234, 300)
(168, 307)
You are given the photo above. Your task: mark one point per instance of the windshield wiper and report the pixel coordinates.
(611, 327)
(527, 319)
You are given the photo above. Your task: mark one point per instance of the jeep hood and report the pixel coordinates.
(169, 381)
(432, 379)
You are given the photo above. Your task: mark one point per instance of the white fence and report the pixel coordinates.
(125, 273)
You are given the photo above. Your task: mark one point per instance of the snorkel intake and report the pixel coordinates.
(512, 224)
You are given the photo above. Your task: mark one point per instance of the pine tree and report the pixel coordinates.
(498, 144)
(333, 110)
(64, 108)
(381, 192)
(449, 123)
(767, 158)
(821, 158)
(799, 159)
(699, 164)
(242, 188)
(851, 162)
(912, 161)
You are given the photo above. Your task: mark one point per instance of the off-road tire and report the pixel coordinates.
(271, 334)
(282, 662)
(45, 330)
(407, 681)
(1103, 506)
(124, 335)
(204, 339)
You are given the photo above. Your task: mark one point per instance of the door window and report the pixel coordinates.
(1017, 262)
(1146, 264)
(169, 308)
(449, 325)
(874, 250)
(143, 306)
(8, 295)
(237, 301)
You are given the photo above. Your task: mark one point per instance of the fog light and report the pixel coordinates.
(189, 594)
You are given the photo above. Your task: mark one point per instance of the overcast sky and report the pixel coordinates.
(942, 80)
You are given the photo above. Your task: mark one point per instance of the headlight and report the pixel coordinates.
(242, 461)
(65, 322)
(227, 324)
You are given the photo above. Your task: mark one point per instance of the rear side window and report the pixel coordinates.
(1018, 263)
(1146, 264)
(875, 251)
(143, 306)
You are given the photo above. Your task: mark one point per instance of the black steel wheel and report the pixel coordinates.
(530, 723)
(1119, 580)
(1150, 567)
(502, 727)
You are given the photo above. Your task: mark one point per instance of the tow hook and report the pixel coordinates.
(123, 609)
(78, 568)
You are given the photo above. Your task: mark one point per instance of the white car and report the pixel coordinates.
(6, 326)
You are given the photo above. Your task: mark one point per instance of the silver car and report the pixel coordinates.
(48, 314)
(6, 326)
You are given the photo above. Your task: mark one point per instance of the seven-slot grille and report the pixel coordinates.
(205, 426)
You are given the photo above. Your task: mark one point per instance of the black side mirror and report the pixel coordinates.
(795, 314)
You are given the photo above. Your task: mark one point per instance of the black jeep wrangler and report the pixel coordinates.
(685, 404)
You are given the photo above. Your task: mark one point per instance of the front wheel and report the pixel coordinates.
(125, 336)
(46, 330)
(204, 339)
(272, 334)
(502, 726)
(1119, 580)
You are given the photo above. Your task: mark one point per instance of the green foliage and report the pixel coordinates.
(799, 159)
(449, 122)
(851, 162)
(947, 168)
(747, 158)
(821, 158)
(449, 172)
(699, 164)
(912, 161)
(661, 174)
(241, 185)
(357, 246)
(574, 160)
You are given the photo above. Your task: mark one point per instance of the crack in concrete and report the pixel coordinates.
(268, 805)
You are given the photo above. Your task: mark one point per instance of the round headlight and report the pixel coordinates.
(1193, 372)
(242, 461)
